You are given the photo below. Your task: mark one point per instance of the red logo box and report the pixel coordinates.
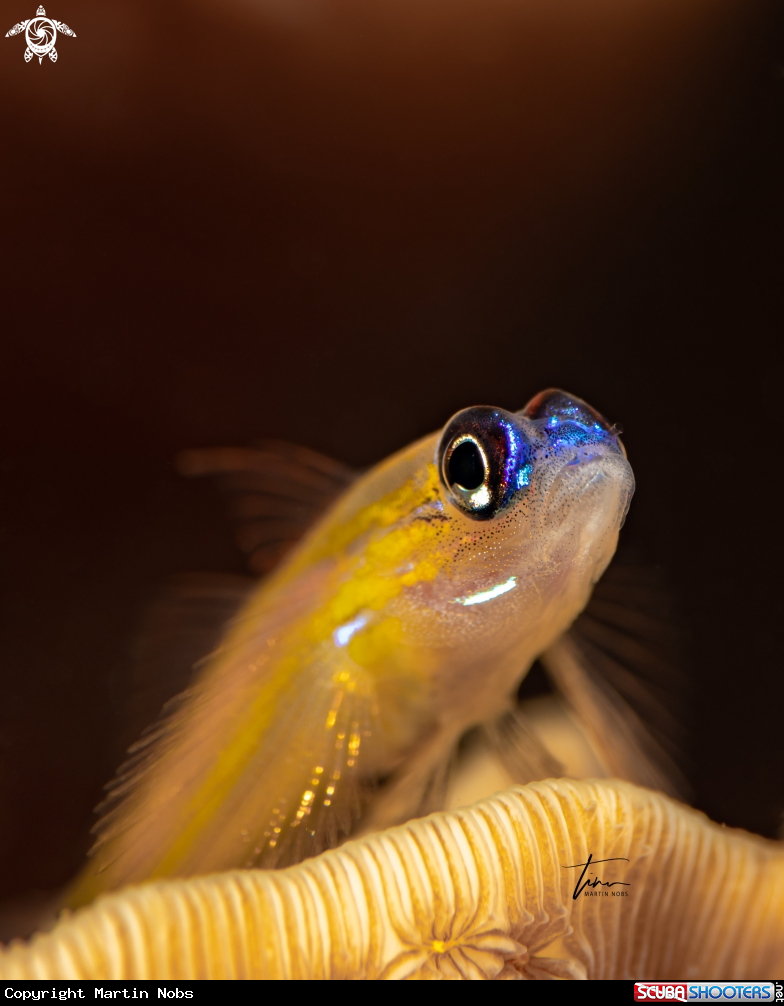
(646, 992)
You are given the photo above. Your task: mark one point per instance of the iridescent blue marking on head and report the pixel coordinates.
(568, 421)
(484, 459)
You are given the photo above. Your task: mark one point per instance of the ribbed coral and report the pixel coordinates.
(471, 894)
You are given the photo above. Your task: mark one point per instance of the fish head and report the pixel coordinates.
(535, 500)
(548, 486)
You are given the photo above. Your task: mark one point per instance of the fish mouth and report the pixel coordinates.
(576, 452)
(582, 471)
(571, 473)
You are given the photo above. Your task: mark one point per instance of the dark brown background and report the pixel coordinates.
(338, 222)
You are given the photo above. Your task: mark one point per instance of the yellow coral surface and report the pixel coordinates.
(478, 893)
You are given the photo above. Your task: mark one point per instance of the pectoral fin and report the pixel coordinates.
(514, 740)
(617, 668)
(277, 491)
(180, 628)
(264, 760)
(419, 786)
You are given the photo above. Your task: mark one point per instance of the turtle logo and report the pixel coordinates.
(41, 33)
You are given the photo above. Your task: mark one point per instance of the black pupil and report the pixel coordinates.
(466, 467)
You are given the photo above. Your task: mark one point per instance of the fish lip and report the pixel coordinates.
(568, 467)
(577, 456)
(599, 452)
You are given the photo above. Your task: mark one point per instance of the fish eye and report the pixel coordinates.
(466, 467)
(483, 460)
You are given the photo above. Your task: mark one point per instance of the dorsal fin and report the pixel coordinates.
(276, 489)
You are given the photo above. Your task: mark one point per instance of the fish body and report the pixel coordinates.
(407, 614)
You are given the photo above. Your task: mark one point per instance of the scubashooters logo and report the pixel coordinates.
(41, 34)
(684, 992)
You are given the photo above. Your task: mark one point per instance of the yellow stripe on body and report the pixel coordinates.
(391, 508)
(365, 582)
